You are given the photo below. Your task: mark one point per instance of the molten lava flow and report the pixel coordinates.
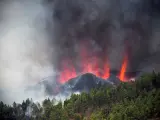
(123, 69)
(68, 72)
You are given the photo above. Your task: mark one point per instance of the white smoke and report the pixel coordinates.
(26, 55)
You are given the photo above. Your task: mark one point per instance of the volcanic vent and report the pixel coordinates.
(89, 72)
(91, 64)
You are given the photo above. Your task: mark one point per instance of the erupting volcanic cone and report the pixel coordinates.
(90, 63)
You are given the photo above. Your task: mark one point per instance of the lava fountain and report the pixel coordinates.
(68, 71)
(123, 69)
(90, 64)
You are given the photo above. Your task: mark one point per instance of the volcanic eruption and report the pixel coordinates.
(90, 64)
(101, 36)
(111, 39)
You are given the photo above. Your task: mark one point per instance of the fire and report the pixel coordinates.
(68, 71)
(90, 63)
(106, 72)
(123, 69)
(93, 67)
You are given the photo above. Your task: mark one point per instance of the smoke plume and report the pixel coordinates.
(26, 55)
(116, 27)
(37, 36)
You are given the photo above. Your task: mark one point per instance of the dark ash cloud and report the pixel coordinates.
(117, 27)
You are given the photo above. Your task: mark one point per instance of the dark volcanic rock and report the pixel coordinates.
(114, 79)
(86, 82)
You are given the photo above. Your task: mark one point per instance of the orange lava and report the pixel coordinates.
(89, 63)
(106, 72)
(93, 67)
(68, 71)
(123, 69)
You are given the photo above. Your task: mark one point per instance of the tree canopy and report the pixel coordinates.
(138, 100)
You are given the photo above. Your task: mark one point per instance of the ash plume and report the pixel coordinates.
(117, 27)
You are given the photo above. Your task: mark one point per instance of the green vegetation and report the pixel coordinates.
(139, 100)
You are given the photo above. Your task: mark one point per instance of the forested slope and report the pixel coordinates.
(139, 100)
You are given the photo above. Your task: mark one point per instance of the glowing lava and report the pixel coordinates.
(68, 71)
(89, 63)
(93, 67)
(106, 72)
(123, 69)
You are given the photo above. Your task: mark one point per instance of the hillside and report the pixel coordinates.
(139, 100)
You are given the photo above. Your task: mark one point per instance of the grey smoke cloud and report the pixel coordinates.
(26, 55)
(116, 26)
